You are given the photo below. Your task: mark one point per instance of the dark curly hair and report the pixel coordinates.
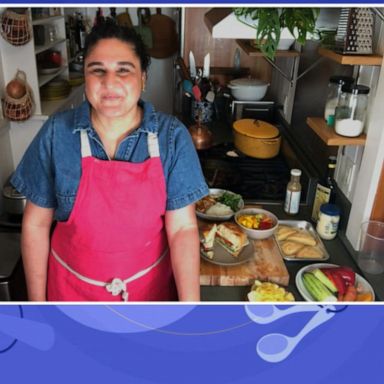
(108, 29)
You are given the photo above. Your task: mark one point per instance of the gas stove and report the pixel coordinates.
(263, 180)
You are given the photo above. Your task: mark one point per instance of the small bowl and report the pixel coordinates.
(257, 234)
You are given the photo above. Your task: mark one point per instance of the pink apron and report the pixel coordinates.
(114, 246)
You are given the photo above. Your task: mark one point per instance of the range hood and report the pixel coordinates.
(223, 24)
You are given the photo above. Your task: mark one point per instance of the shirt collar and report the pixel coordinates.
(149, 123)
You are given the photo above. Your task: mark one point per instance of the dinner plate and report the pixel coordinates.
(217, 191)
(307, 296)
(48, 71)
(223, 257)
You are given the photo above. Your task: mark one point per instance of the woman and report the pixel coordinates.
(121, 181)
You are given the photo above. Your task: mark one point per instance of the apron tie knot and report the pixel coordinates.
(117, 287)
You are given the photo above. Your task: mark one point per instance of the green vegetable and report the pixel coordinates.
(316, 288)
(324, 279)
(230, 199)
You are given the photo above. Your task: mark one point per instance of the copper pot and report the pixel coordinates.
(201, 136)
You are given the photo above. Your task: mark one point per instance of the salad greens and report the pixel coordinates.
(230, 199)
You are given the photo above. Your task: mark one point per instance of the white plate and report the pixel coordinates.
(306, 295)
(48, 71)
(223, 257)
(217, 191)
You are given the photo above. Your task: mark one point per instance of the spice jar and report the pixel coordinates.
(329, 217)
(334, 91)
(351, 111)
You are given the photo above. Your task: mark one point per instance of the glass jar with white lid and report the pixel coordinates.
(334, 91)
(351, 111)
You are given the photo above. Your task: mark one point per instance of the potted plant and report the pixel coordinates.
(269, 23)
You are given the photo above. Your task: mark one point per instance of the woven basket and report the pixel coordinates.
(19, 109)
(15, 27)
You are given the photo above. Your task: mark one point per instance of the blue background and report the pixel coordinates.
(210, 343)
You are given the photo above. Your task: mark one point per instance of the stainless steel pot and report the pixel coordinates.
(14, 202)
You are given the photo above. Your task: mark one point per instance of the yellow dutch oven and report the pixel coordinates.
(256, 138)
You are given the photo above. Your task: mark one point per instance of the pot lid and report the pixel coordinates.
(256, 128)
(244, 82)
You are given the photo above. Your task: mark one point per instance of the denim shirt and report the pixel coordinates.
(49, 172)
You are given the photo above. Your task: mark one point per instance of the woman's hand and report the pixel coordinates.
(183, 239)
(35, 246)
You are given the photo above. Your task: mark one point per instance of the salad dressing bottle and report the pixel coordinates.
(292, 197)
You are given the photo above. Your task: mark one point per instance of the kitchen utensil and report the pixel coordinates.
(164, 36)
(355, 31)
(33, 333)
(210, 97)
(183, 69)
(196, 92)
(206, 66)
(201, 136)
(187, 86)
(124, 19)
(256, 138)
(192, 65)
(275, 347)
(143, 16)
(371, 253)
(265, 314)
(248, 89)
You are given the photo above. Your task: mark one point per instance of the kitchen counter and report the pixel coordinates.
(338, 252)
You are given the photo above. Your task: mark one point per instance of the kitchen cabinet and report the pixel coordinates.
(44, 58)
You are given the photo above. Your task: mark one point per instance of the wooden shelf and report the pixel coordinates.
(329, 136)
(351, 59)
(254, 52)
(42, 48)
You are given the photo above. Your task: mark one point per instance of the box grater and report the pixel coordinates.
(354, 31)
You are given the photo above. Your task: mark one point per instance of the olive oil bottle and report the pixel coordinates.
(325, 189)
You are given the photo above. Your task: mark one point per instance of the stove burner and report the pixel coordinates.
(256, 179)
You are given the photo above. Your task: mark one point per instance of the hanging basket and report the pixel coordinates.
(15, 27)
(19, 109)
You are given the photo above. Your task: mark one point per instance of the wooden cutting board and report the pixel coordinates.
(266, 265)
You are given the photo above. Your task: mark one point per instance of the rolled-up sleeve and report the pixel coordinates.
(185, 182)
(34, 176)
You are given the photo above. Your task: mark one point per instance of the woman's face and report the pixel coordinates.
(113, 78)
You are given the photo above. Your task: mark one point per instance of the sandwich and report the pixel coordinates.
(207, 240)
(205, 203)
(231, 237)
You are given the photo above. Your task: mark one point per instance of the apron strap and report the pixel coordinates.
(153, 145)
(85, 145)
(116, 286)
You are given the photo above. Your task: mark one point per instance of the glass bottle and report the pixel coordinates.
(293, 194)
(351, 111)
(334, 91)
(325, 189)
